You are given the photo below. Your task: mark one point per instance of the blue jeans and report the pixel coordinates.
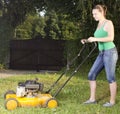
(106, 59)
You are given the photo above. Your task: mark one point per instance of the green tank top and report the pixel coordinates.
(100, 33)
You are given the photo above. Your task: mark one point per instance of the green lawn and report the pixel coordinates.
(71, 97)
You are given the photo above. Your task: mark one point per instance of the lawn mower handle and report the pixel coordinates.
(67, 68)
(69, 64)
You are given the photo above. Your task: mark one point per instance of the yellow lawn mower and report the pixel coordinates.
(30, 93)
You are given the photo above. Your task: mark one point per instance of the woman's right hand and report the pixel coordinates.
(83, 41)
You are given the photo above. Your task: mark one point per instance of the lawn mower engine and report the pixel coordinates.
(29, 88)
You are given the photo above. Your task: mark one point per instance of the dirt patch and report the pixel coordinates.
(8, 73)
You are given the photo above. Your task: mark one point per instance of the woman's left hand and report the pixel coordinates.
(91, 39)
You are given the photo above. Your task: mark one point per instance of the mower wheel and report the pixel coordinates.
(9, 92)
(11, 104)
(51, 103)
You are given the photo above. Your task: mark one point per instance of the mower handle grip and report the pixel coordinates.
(85, 41)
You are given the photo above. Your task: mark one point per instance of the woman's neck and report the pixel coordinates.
(102, 20)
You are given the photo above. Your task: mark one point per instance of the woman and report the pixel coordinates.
(107, 57)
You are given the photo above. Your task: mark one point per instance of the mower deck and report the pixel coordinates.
(40, 100)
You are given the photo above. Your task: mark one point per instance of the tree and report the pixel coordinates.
(16, 10)
(72, 16)
(77, 10)
(32, 27)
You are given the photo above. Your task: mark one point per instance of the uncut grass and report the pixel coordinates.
(71, 97)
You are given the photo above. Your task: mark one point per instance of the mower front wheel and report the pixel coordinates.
(51, 103)
(11, 104)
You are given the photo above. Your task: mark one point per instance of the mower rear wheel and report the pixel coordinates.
(9, 92)
(11, 104)
(51, 103)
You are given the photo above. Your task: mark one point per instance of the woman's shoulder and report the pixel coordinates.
(108, 25)
(108, 21)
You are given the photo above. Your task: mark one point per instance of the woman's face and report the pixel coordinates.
(97, 14)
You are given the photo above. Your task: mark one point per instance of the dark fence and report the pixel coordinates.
(37, 54)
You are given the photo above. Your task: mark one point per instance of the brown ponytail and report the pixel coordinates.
(101, 8)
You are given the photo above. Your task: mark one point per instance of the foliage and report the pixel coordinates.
(32, 27)
(76, 10)
(80, 11)
(6, 34)
(51, 26)
(2, 66)
(76, 16)
(16, 10)
(67, 20)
